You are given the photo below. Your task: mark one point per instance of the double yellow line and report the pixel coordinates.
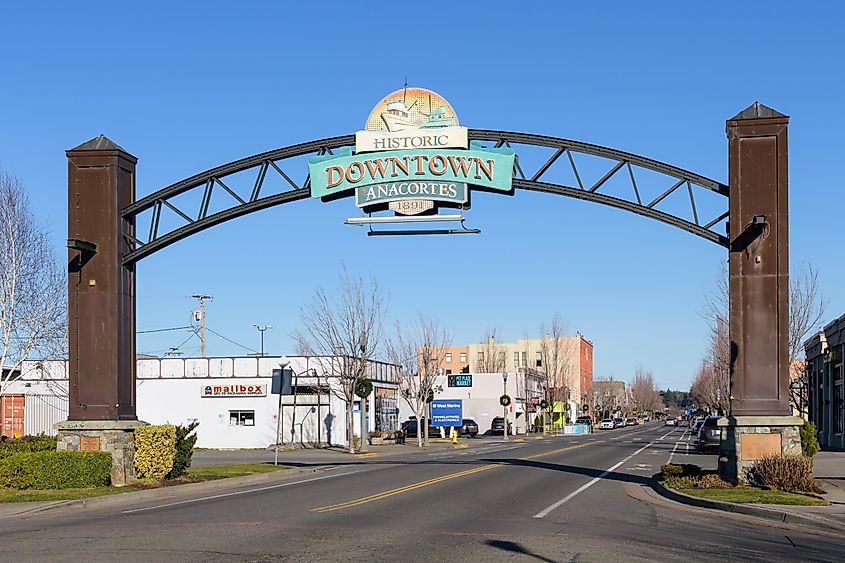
(404, 489)
(429, 482)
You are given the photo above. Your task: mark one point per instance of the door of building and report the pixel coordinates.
(12, 415)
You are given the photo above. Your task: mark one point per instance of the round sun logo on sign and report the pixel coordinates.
(411, 108)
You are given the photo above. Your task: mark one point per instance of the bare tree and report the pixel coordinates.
(643, 392)
(347, 332)
(33, 288)
(806, 310)
(491, 357)
(555, 355)
(418, 351)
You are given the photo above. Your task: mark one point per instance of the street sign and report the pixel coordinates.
(459, 380)
(282, 383)
(447, 412)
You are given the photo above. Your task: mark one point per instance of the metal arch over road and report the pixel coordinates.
(531, 180)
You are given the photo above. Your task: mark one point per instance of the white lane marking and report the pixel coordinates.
(671, 455)
(543, 513)
(279, 486)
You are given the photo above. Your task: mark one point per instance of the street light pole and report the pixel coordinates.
(261, 329)
(505, 392)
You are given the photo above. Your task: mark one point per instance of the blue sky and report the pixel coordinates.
(186, 87)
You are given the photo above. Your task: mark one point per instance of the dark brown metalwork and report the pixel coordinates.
(204, 184)
(101, 289)
(759, 262)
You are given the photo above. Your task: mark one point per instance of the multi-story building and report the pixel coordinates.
(455, 360)
(569, 372)
(826, 382)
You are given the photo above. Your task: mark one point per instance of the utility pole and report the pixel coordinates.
(202, 297)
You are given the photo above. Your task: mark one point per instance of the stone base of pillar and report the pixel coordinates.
(746, 439)
(114, 436)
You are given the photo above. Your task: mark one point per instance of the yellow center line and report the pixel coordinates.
(434, 481)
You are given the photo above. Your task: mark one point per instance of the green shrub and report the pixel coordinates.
(791, 473)
(671, 470)
(185, 441)
(680, 470)
(55, 470)
(155, 450)
(809, 444)
(37, 443)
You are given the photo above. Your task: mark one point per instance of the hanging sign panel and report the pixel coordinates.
(412, 156)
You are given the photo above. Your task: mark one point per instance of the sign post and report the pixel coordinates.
(281, 385)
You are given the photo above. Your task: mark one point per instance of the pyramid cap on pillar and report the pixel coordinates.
(758, 111)
(101, 143)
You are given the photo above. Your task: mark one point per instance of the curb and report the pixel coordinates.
(783, 516)
(166, 492)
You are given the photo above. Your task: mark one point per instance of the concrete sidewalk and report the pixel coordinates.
(829, 468)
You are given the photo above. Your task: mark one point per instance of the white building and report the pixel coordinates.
(480, 394)
(230, 398)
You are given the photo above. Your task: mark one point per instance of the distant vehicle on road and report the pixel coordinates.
(683, 422)
(709, 434)
(671, 421)
(607, 424)
(588, 420)
(619, 422)
(646, 418)
(696, 425)
(633, 421)
(497, 427)
(468, 428)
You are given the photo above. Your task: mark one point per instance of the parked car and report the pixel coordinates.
(646, 418)
(619, 422)
(683, 422)
(670, 421)
(633, 421)
(498, 426)
(409, 428)
(468, 428)
(607, 424)
(696, 425)
(588, 420)
(709, 434)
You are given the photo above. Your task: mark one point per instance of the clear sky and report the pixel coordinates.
(189, 86)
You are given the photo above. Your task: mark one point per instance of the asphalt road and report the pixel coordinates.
(558, 499)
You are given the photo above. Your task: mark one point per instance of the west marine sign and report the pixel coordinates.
(412, 152)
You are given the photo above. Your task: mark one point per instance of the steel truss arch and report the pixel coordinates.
(269, 162)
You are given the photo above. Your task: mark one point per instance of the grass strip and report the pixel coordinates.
(752, 495)
(15, 495)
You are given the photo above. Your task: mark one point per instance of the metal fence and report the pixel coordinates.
(41, 412)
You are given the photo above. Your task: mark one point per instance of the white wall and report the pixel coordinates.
(481, 401)
(169, 390)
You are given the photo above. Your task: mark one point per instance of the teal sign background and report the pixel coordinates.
(500, 159)
(455, 192)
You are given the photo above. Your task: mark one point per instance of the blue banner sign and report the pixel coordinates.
(447, 412)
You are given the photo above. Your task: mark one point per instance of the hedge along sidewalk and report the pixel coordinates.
(8, 510)
(820, 517)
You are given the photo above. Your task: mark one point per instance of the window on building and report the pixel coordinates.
(463, 357)
(525, 359)
(448, 358)
(241, 418)
(837, 408)
(539, 361)
(516, 359)
(502, 359)
(448, 372)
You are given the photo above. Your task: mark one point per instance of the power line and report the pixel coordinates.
(163, 329)
(230, 340)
